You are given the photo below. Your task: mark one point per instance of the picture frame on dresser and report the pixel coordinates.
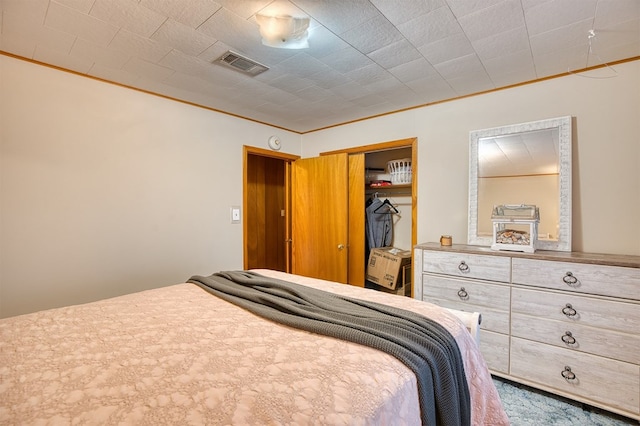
(543, 178)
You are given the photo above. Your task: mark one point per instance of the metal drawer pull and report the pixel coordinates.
(568, 338)
(462, 293)
(569, 279)
(569, 311)
(568, 374)
(463, 267)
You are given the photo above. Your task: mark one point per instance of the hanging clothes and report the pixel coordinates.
(378, 225)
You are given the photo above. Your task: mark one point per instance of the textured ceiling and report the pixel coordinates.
(365, 57)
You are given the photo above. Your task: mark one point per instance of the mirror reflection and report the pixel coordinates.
(527, 163)
(521, 168)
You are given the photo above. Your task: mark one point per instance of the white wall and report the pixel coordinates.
(606, 152)
(105, 190)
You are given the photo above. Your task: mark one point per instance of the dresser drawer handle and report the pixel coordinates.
(568, 374)
(568, 338)
(569, 311)
(463, 267)
(462, 293)
(569, 279)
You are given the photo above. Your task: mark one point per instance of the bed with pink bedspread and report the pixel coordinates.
(180, 355)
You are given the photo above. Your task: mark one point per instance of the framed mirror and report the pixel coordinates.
(527, 163)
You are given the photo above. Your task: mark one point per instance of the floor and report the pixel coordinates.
(530, 407)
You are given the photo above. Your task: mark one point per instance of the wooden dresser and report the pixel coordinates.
(567, 323)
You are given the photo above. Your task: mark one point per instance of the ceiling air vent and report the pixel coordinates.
(241, 63)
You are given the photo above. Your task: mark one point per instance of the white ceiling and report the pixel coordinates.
(365, 57)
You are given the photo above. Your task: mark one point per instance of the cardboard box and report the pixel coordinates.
(401, 289)
(385, 266)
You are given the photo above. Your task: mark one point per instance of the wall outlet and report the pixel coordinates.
(235, 214)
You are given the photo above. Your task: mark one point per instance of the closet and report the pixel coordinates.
(376, 156)
(399, 195)
(388, 206)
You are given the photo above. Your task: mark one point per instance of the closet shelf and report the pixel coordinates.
(398, 186)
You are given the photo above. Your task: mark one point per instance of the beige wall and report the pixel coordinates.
(606, 152)
(105, 190)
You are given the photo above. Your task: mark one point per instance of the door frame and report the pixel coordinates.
(286, 159)
(385, 146)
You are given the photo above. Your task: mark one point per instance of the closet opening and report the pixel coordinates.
(388, 216)
(367, 164)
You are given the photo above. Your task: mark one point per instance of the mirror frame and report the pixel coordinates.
(563, 124)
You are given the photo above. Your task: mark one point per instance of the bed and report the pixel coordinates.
(180, 355)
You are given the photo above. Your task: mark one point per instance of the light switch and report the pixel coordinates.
(235, 214)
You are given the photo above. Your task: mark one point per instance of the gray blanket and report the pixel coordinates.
(423, 345)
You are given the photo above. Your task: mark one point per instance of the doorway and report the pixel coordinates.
(266, 224)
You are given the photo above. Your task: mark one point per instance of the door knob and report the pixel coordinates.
(340, 246)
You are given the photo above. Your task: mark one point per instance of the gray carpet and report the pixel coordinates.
(529, 407)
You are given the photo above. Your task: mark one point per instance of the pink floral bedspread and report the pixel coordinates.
(179, 355)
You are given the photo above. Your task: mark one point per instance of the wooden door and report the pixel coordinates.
(265, 223)
(320, 214)
(266, 189)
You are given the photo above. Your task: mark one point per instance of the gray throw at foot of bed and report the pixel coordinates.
(423, 345)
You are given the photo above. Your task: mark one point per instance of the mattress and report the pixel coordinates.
(179, 355)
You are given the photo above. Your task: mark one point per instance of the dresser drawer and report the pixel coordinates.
(491, 300)
(495, 350)
(612, 281)
(485, 267)
(602, 380)
(575, 309)
(597, 341)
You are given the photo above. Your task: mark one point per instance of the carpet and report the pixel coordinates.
(526, 406)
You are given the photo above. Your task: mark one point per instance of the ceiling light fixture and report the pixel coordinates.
(284, 31)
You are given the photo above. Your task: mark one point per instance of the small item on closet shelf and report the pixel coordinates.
(376, 176)
(378, 183)
(446, 240)
(400, 171)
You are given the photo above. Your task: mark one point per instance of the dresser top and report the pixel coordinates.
(561, 256)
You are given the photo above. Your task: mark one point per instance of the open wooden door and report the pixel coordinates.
(320, 207)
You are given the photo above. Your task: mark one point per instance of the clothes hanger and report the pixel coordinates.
(390, 207)
(373, 197)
